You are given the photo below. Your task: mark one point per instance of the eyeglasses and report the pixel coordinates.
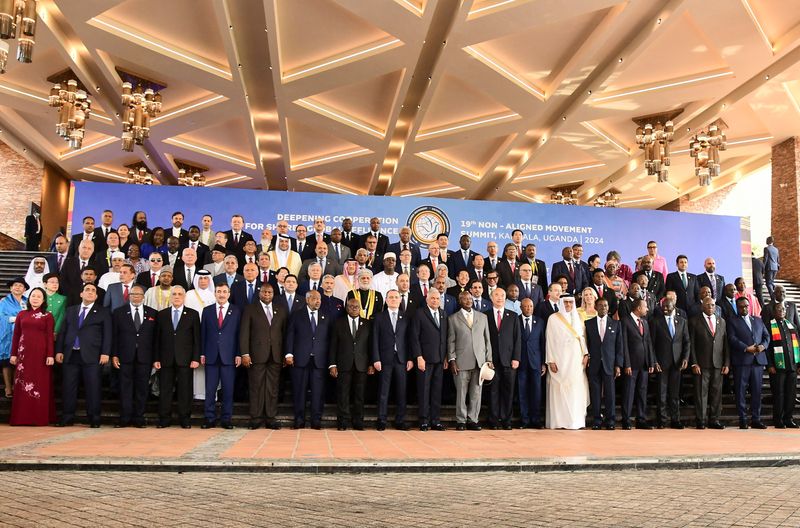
(156, 260)
(652, 247)
(491, 278)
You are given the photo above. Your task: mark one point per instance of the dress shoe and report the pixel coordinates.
(208, 425)
(743, 425)
(94, 425)
(461, 427)
(254, 425)
(402, 426)
(791, 425)
(626, 426)
(275, 425)
(162, 425)
(341, 427)
(121, 425)
(298, 425)
(65, 424)
(659, 425)
(715, 425)
(596, 427)
(186, 425)
(494, 426)
(758, 425)
(676, 425)
(358, 426)
(438, 427)
(779, 425)
(507, 427)
(380, 426)
(316, 426)
(643, 425)
(536, 425)
(610, 427)
(227, 425)
(141, 425)
(472, 426)
(423, 427)
(524, 425)
(701, 426)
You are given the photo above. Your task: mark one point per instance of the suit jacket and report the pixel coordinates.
(352, 242)
(144, 279)
(574, 285)
(298, 301)
(540, 271)
(309, 249)
(33, 228)
(177, 346)
(758, 273)
(389, 343)
(703, 280)
(52, 263)
(214, 269)
(532, 343)
(183, 236)
(427, 262)
(75, 241)
(544, 310)
(220, 343)
(222, 278)
(507, 342)
(312, 237)
(203, 254)
(790, 315)
(428, 340)
(656, 283)
(772, 258)
(458, 263)
(302, 343)
(239, 293)
(348, 352)
(331, 306)
(344, 253)
(608, 295)
(331, 268)
(670, 350)
(688, 296)
(487, 264)
(260, 339)
(114, 297)
(728, 309)
(536, 295)
(95, 333)
(637, 348)
(70, 281)
(383, 242)
(237, 249)
(741, 337)
(506, 277)
(608, 352)
(179, 277)
(469, 347)
(377, 263)
(709, 351)
(416, 255)
(131, 345)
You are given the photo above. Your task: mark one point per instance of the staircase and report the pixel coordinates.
(792, 291)
(14, 264)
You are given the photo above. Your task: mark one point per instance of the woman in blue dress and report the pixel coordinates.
(10, 306)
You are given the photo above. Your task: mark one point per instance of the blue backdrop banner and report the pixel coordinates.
(550, 227)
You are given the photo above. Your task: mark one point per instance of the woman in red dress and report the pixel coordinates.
(32, 353)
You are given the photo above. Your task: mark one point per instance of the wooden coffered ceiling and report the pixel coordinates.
(479, 99)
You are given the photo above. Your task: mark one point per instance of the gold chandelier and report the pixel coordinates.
(190, 175)
(704, 147)
(139, 107)
(139, 176)
(654, 134)
(564, 197)
(75, 108)
(607, 199)
(17, 21)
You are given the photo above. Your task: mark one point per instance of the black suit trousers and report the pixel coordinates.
(134, 381)
(784, 391)
(429, 393)
(304, 378)
(393, 372)
(669, 393)
(263, 380)
(179, 379)
(602, 391)
(73, 371)
(502, 394)
(635, 390)
(350, 382)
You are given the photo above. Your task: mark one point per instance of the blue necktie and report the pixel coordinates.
(313, 322)
(671, 327)
(249, 292)
(176, 317)
(80, 324)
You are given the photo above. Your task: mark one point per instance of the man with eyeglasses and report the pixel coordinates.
(491, 284)
(659, 262)
(148, 279)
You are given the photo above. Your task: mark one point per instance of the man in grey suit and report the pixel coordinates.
(710, 361)
(772, 263)
(329, 266)
(338, 251)
(469, 346)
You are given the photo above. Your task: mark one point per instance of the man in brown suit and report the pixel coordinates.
(261, 343)
(710, 360)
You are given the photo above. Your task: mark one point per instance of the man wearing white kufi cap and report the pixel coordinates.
(387, 279)
(112, 275)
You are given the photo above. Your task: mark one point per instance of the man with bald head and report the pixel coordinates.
(712, 279)
(655, 280)
(184, 271)
(428, 339)
(246, 292)
(71, 284)
(405, 243)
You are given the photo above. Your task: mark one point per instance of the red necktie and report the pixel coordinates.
(499, 319)
(219, 317)
(571, 271)
(424, 291)
(140, 234)
(265, 277)
(641, 328)
(711, 324)
(153, 280)
(125, 292)
(512, 266)
(600, 291)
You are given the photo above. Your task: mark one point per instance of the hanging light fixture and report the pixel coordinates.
(654, 135)
(564, 197)
(139, 105)
(139, 176)
(607, 199)
(704, 147)
(190, 175)
(74, 109)
(17, 21)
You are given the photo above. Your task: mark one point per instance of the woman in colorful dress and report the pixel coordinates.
(135, 259)
(10, 306)
(32, 353)
(56, 303)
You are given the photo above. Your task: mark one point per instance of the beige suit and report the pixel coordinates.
(470, 348)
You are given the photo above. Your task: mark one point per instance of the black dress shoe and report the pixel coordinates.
(162, 425)
(659, 425)
(438, 427)
(472, 426)
(507, 427)
(186, 425)
(700, 426)
(461, 427)
(402, 426)
(316, 426)
(298, 425)
(275, 425)
(596, 427)
(758, 425)
(716, 425)
(791, 425)
(494, 427)
(537, 425)
(227, 425)
(94, 425)
(141, 425)
(610, 427)
(743, 425)
(121, 425)
(676, 425)
(643, 425)
(423, 427)
(626, 426)
(380, 426)
(64, 424)
(208, 425)
(254, 425)
(358, 427)
(341, 427)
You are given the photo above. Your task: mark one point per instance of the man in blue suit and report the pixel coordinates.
(772, 263)
(219, 331)
(479, 302)
(448, 302)
(306, 342)
(118, 294)
(391, 359)
(405, 243)
(606, 358)
(246, 292)
(748, 339)
(570, 269)
(84, 346)
(462, 259)
(531, 367)
(527, 288)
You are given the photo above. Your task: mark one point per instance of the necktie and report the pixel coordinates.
(264, 277)
(527, 289)
(641, 327)
(83, 264)
(528, 325)
(300, 247)
(60, 261)
(499, 318)
(189, 277)
(469, 319)
(402, 302)
(748, 323)
(436, 318)
(313, 285)
(193, 245)
(671, 325)
(571, 271)
(711, 324)
(236, 238)
(269, 314)
(394, 321)
(513, 266)
(534, 266)
(476, 302)
(602, 328)
(321, 264)
(713, 285)
(424, 290)
(153, 279)
(683, 280)
(125, 293)
(480, 275)
(80, 324)
(139, 232)
(291, 299)
(250, 292)
(466, 257)
(336, 249)
(405, 246)
(599, 291)
(555, 307)
(354, 328)
(313, 322)
(219, 318)
(176, 317)
(137, 319)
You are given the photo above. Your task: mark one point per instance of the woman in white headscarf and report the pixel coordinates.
(198, 298)
(443, 271)
(567, 357)
(37, 269)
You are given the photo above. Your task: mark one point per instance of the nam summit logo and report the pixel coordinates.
(426, 223)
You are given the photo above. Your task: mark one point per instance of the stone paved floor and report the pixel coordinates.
(763, 497)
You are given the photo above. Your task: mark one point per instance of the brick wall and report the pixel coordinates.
(785, 202)
(708, 204)
(20, 184)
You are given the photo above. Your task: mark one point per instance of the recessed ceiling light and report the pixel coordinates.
(432, 191)
(227, 180)
(444, 163)
(86, 147)
(663, 86)
(336, 188)
(490, 7)
(325, 110)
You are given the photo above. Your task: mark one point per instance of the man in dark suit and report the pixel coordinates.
(382, 241)
(391, 359)
(684, 284)
(697, 309)
(790, 309)
(87, 234)
(758, 278)
(246, 291)
(349, 238)
(71, 284)
(350, 364)
(670, 333)
(328, 266)
(33, 232)
(446, 302)
(655, 280)
(568, 268)
(338, 251)
(231, 275)
(772, 263)
(783, 364)
(748, 339)
(219, 331)
(84, 346)
(549, 305)
(134, 330)
(506, 349)
(307, 344)
(728, 302)
(462, 259)
(508, 267)
(532, 367)
(183, 272)
(305, 246)
(528, 289)
(433, 259)
(538, 266)
(710, 360)
(176, 355)
(598, 284)
(203, 251)
(236, 237)
(291, 298)
(405, 243)
(177, 230)
(118, 293)
(375, 258)
(56, 260)
(88, 276)
(261, 337)
(604, 340)
(710, 278)
(428, 337)
(139, 231)
(106, 225)
(479, 303)
(639, 363)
